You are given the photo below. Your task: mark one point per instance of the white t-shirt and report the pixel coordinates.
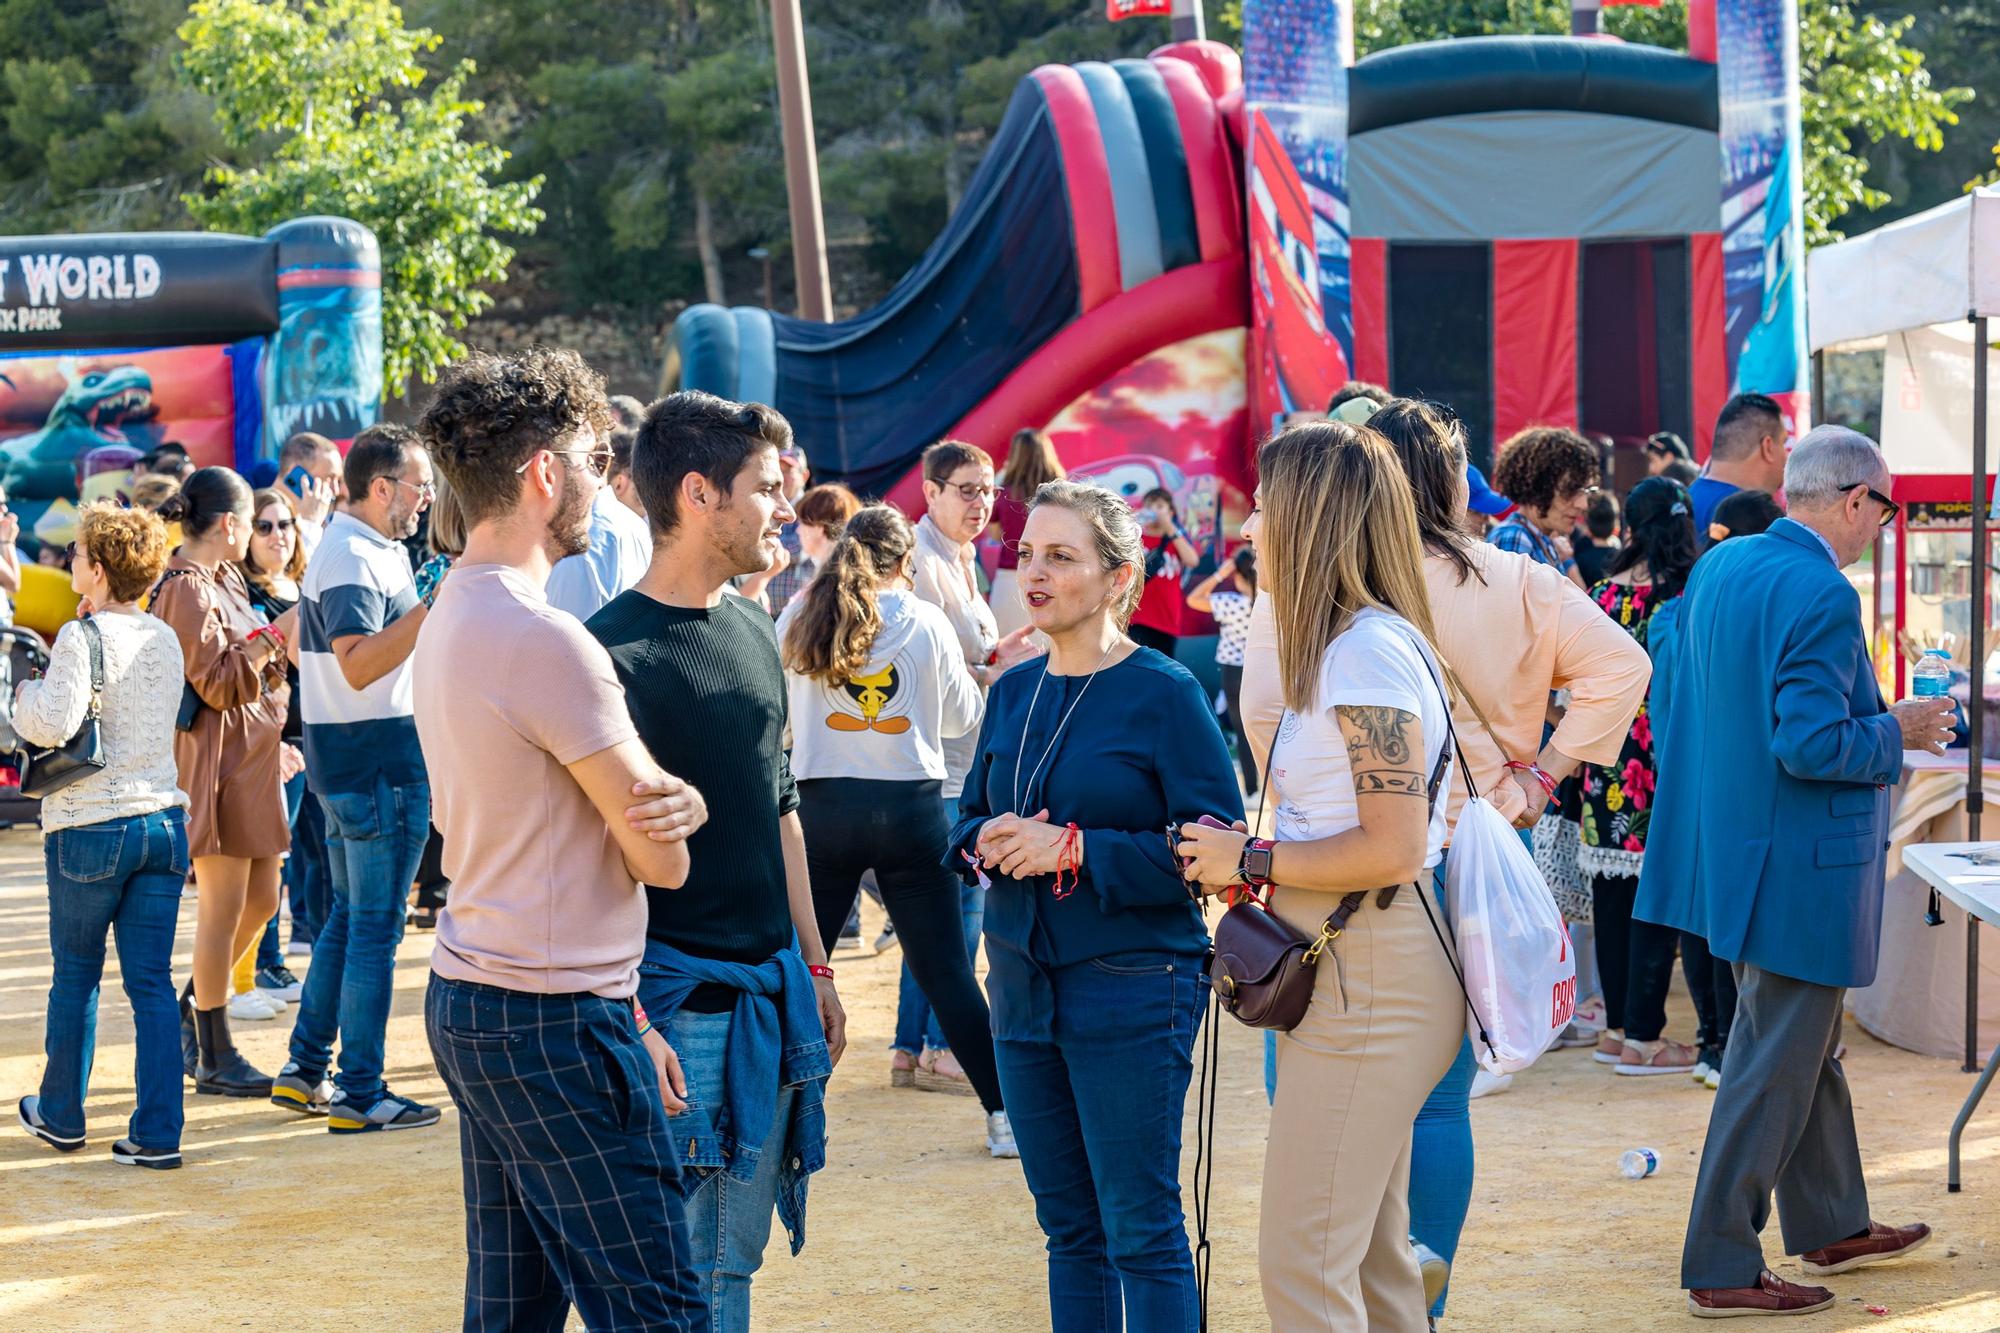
(1375, 663)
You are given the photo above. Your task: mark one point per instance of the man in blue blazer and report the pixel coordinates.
(1768, 840)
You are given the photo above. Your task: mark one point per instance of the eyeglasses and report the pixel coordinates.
(427, 491)
(267, 526)
(969, 491)
(69, 554)
(596, 461)
(1889, 507)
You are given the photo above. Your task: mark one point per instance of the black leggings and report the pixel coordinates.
(897, 829)
(1712, 985)
(1232, 694)
(1634, 958)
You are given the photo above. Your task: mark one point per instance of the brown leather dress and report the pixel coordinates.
(229, 760)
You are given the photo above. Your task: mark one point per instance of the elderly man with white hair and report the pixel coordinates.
(1767, 839)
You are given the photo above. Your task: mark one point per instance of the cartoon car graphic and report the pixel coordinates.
(1285, 266)
(1132, 475)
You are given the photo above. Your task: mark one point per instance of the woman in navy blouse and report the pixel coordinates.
(1087, 756)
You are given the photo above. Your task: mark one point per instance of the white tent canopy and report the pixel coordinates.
(1941, 266)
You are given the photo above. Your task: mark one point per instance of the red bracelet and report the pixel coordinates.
(1537, 772)
(1069, 855)
(820, 970)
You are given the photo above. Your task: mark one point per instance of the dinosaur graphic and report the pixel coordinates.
(319, 374)
(91, 412)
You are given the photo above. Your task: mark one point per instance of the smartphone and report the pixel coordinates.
(298, 479)
(1206, 821)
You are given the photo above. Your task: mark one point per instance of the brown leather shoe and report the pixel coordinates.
(1771, 1296)
(1880, 1244)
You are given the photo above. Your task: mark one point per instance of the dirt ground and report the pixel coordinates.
(912, 1227)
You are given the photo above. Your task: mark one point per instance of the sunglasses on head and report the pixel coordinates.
(267, 526)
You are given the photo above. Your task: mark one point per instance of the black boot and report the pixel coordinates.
(224, 1072)
(190, 1043)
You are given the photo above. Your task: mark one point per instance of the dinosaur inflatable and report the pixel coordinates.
(41, 465)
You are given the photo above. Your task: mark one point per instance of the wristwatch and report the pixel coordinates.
(1255, 867)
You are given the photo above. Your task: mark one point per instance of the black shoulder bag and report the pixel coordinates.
(46, 772)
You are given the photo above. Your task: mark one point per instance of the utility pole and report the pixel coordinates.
(1187, 21)
(788, 37)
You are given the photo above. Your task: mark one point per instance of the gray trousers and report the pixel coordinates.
(1782, 1121)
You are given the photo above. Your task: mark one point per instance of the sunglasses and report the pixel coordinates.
(266, 526)
(1889, 507)
(596, 461)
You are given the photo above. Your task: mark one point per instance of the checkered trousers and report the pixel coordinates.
(571, 1187)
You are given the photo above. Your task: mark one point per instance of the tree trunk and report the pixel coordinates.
(954, 168)
(704, 241)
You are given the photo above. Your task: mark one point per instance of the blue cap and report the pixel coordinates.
(1485, 500)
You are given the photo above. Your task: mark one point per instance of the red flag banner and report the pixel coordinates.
(1132, 9)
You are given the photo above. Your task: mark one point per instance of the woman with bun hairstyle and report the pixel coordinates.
(878, 683)
(229, 750)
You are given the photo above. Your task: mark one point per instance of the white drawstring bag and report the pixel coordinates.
(1513, 948)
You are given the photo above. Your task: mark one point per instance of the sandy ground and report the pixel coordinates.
(912, 1226)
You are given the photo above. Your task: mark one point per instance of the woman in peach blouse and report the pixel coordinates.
(1512, 631)
(232, 760)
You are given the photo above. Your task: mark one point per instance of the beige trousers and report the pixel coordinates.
(1385, 1023)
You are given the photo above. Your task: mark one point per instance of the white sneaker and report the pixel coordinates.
(886, 940)
(1714, 1079)
(1490, 1085)
(1000, 1136)
(252, 1008)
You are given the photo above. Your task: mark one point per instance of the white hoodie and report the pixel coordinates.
(890, 722)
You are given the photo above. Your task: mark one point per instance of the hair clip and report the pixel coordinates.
(1677, 508)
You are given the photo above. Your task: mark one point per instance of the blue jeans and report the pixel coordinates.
(729, 1222)
(268, 952)
(374, 841)
(916, 1026)
(568, 1163)
(1096, 1109)
(308, 878)
(123, 876)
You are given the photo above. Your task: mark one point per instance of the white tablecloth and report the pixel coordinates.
(1918, 999)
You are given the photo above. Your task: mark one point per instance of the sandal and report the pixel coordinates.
(929, 1078)
(902, 1070)
(1656, 1057)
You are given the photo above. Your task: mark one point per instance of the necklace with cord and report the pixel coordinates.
(1068, 854)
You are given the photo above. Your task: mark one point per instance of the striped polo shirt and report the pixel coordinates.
(359, 581)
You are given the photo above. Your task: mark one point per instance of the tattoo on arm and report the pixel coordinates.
(1380, 753)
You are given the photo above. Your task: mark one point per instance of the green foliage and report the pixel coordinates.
(1860, 85)
(94, 134)
(301, 95)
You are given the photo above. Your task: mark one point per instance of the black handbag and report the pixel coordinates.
(46, 772)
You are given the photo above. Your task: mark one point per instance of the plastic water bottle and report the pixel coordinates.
(1931, 677)
(1638, 1163)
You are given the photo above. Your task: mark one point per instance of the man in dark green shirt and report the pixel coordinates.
(734, 969)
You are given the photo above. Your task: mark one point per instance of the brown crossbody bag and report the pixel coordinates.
(1262, 967)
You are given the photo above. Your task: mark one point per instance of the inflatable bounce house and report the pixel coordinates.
(112, 345)
(1160, 260)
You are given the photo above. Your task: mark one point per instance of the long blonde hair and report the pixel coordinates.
(839, 614)
(1339, 534)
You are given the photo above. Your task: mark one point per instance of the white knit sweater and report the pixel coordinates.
(143, 672)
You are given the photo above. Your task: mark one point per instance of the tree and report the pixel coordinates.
(1860, 84)
(302, 95)
(95, 134)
